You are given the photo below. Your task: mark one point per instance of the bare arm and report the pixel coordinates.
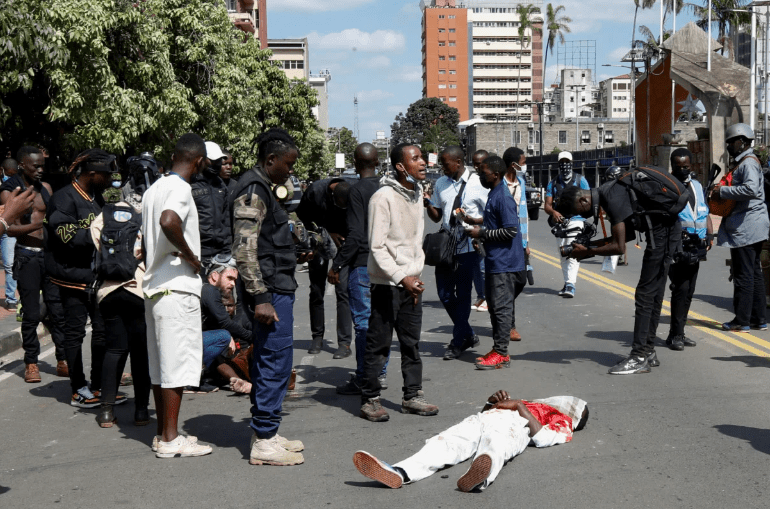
(17, 203)
(171, 224)
(17, 230)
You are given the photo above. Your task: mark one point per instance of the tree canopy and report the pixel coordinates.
(133, 75)
(427, 121)
(342, 140)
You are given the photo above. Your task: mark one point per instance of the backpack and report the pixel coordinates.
(654, 193)
(115, 260)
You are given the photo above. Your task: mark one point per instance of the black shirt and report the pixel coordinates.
(215, 316)
(614, 200)
(355, 250)
(316, 207)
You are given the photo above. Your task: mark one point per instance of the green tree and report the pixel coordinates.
(556, 24)
(342, 140)
(724, 16)
(134, 75)
(525, 13)
(429, 120)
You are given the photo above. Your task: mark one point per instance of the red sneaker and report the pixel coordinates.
(493, 360)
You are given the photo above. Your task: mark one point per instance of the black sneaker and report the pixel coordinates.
(630, 366)
(687, 341)
(352, 387)
(316, 345)
(342, 352)
(675, 342)
(652, 359)
(452, 352)
(204, 388)
(470, 342)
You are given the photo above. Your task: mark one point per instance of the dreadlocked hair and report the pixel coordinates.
(91, 155)
(274, 141)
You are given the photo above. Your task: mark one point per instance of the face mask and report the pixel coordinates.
(411, 179)
(116, 183)
(523, 169)
(682, 176)
(565, 170)
(484, 183)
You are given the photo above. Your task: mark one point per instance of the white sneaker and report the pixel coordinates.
(289, 445)
(268, 451)
(181, 447)
(157, 439)
(484, 307)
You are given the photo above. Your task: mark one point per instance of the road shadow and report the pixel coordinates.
(626, 337)
(534, 290)
(6, 489)
(568, 356)
(58, 389)
(434, 304)
(719, 301)
(366, 484)
(222, 431)
(750, 361)
(758, 438)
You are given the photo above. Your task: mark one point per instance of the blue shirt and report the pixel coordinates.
(577, 180)
(500, 212)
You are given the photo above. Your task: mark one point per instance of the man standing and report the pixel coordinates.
(744, 231)
(566, 178)
(264, 252)
(212, 202)
(8, 245)
(396, 225)
(354, 254)
(172, 289)
(26, 238)
(461, 189)
(69, 253)
(478, 270)
(323, 204)
(696, 224)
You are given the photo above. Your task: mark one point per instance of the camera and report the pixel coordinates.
(693, 249)
(584, 236)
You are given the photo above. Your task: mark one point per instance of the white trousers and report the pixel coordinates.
(502, 434)
(570, 266)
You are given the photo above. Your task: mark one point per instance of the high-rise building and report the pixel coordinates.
(445, 67)
(615, 97)
(320, 83)
(474, 59)
(293, 56)
(249, 16)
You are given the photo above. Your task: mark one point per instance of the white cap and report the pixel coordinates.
(562, 155)
(213, 151)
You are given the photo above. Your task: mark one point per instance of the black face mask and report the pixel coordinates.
(215, 168)
(484, 183)
(681, 175)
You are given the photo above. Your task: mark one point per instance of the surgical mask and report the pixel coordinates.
(565, 170)
(411, 179)
(523, 169)
(116, 183)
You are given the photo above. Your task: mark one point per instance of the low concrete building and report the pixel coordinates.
(320, 83)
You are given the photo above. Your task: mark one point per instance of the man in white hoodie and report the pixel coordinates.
(396, 225)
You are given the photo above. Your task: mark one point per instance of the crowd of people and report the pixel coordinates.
(192, 274)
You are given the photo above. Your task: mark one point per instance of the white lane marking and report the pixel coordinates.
(43, 355)
(299, 386)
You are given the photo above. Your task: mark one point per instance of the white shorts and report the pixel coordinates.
(174, 339)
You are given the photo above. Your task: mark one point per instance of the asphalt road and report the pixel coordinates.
(693, 433)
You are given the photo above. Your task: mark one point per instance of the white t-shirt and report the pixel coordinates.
(165, 271)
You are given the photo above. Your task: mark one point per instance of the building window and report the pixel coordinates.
(441, 57)
(562, 137)
(443, 99)
(442, 71)
(585, 137)
(442, 44)
(452, 71)
(441, 30)
(534, 137)
(293, 64)
(452, 43)
(516, 138)
(452, 58)
(451, 16)
(440, 16)
(451, 30)
(230, 4)
(442, 85)
(452, 86)
(608, 137)
(453, 99)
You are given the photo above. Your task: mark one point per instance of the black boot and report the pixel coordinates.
(106, 418)
(316, 345)
(141, 417)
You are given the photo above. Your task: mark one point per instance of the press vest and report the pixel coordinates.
(695, 221)
(275, 245)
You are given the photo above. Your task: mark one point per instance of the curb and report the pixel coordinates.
(11, 341)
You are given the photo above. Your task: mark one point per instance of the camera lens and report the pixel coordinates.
(565, 251)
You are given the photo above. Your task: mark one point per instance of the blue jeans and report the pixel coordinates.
(271, 367)
(7, 246)
(454, 291)
(360, 296)
(478, 279)
(214, 343)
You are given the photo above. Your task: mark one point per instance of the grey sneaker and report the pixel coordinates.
(372, 411)
(630, 366)
(418, 405)
(652, 359)
(289, 445)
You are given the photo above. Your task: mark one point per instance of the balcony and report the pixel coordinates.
(243, 21)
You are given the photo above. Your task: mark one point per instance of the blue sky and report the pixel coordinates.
(372, 48)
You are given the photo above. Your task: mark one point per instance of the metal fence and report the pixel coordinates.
(589, 163)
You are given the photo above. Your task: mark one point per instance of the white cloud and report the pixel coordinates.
(373, 95)
(357, 40)
(314, 5)
(616, 54)
(612, 16)
(395, 110)
(407, 73)
(379, 62)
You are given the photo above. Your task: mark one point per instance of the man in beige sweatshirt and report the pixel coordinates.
(396, 225)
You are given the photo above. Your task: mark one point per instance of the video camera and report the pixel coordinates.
(583, 237)
(693, 249)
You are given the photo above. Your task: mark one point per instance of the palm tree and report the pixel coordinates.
(556, 23)
(525, 13)
(723, 15)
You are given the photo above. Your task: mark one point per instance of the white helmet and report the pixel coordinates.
(737, 130)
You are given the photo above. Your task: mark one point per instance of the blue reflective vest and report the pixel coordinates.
(695, 221)
(523, 214)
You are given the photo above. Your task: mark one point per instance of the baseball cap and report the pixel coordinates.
(565, 155)
(213, 151)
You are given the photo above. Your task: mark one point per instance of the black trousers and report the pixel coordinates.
(393, 308)
(501, 291)
(29, 272)
(749, 285)
(125, 332)
(318, 269)
(80, 306)
(683, 277)
(648, 298)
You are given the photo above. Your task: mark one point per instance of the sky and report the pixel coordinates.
(372, 48)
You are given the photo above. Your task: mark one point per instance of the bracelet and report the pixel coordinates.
(4, 223)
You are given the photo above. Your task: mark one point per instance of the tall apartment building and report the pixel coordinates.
(445, 66)
(615, 97)
(293, 56)
(249, 16)
(320, 83)
(474, 47)
(577, 94)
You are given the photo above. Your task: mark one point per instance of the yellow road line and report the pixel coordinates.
(627, 291)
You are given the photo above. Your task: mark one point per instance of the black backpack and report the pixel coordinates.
(115, 260)
(655, 195)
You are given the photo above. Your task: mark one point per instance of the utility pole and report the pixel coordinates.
(355, 120)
